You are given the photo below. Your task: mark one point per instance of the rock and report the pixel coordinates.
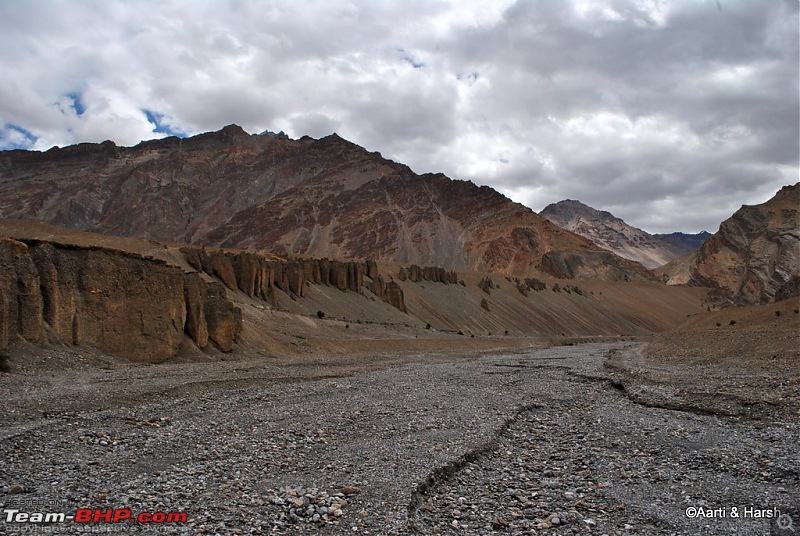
(355, 276)
(223, 318)
(393, 295)
(16, 489)
(414, 273)
(486, 284)
(121, 303)
(194, 292)
(223, 269)
(377, 287)
(499, 524)
(350, 490)
(371, 269)
(338, 275)
(753, 257)
(19, 282)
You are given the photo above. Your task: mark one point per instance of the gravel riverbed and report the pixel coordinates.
(534, 442)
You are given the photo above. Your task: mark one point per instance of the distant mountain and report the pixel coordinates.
(685, 242)
(609, 232)
(753, 258)
(322, 198)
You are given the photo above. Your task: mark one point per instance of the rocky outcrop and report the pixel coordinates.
(753, 258)
(486, 284)
(435, 274)
(257, 275)
(20, 296)
(310, 198)
(529, 284)
(393, 295)
(389, 292)
(125, 305)
(260, 276)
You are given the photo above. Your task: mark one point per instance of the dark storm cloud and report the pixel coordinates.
(668, 113)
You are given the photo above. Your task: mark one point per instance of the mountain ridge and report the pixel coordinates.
(323, 198)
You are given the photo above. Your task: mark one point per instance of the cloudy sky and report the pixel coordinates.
(668, 113)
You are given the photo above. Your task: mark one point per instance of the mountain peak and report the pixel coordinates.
(607, 231)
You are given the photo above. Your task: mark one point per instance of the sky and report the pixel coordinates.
(670, 114)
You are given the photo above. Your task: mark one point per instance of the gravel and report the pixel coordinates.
(540, 442)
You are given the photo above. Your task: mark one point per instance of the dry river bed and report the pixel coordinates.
(533, 442)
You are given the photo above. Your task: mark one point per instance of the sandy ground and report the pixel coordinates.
(738, 361)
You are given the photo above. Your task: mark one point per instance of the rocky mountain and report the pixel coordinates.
(321, 198)
(753, 258)
(609, 232)
(684, 242)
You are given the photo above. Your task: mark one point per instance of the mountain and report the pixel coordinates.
(322, 198)
(684, 242)
(145, 301)
(609, 232)
(753, 258)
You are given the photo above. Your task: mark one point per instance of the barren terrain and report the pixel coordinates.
(531, 440)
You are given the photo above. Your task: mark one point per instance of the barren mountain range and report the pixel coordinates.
(330, 198)
(321, 198)
(238, 239)
(609, 232)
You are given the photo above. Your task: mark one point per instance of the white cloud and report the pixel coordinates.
(647, 108)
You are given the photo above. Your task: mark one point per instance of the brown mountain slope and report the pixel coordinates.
(145, 301)
(753, 258)
(609, 232)
(324, 197)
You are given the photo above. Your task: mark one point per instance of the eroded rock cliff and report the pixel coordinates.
(125, 305)
(149, 309)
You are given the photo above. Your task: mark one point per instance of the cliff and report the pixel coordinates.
(753, 258)
(123, 304)
(71, 288)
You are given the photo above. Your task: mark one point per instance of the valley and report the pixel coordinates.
(299, 336)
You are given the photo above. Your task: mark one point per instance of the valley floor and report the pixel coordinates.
(529, 441)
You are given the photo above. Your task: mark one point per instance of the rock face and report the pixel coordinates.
(76, 291)
(312, 198)
(142, 308)
(613, 234)
(258, 276)
(753, 258)
(123, 304)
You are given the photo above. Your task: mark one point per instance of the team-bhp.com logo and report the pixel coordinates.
(94, 515)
